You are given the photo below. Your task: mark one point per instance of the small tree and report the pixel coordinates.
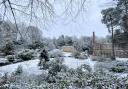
(19, 70)
(8, 49)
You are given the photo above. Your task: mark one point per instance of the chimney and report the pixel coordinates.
(93, 38)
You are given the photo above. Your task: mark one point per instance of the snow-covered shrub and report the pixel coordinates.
(26, 54)
(85, 68)
(10, 58)
(79, 55)
(83, 55)
(36, 45)
(3, 61)
(55, 53)
(117, 69)
(19, 70)
(55, 66)
(8, 49)
(44, 65)
(76, 54)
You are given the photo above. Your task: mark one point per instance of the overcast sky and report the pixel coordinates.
(81, 26)
(84, 25)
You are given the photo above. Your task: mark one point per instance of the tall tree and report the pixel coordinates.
(118, 22)
(33, 34)
(115, 15)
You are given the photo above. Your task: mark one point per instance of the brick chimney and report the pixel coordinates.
(93, 41)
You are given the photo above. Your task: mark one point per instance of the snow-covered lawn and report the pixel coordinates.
(29, 67)
(74, 63)
(71, 62)
(122, 59)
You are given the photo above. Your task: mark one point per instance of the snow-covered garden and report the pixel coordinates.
(65, 72)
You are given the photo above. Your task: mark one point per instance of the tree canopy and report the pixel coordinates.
(119, 20)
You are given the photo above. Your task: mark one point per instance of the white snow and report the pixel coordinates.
(122, 59)
(66, 54)
(121, 75)
(3, 60)
(74, 63)
(29, 67)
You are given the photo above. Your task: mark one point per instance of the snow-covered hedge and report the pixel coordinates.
(3, 61)
(26, 54)
(8, 49)
(55, 53)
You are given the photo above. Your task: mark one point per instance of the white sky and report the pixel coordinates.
(80, 27)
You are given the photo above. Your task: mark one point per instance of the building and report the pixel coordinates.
(105, 49)
(68, 49)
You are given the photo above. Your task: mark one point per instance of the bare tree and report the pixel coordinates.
(47, 8)
(33, 34)
(35, 10)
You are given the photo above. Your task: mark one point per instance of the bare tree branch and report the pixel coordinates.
(14, 17)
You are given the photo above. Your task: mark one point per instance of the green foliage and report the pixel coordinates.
(111, 16)
(116, 16)
(119, 18)
(117, 69)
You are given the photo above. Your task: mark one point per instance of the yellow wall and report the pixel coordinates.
(67, 49)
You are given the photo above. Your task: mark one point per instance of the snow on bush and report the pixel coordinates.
(3, 61)
(59, 76)
(19, 70)
(76, 54)
(26, 54)
(8, 49)
(119, 67)
(11, 58)
(72, 79)
(55, 53)
(80, 55)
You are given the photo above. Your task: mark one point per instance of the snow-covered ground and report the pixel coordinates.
(74, 63)
(31, 67)
(121, 75)
(122, 59)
